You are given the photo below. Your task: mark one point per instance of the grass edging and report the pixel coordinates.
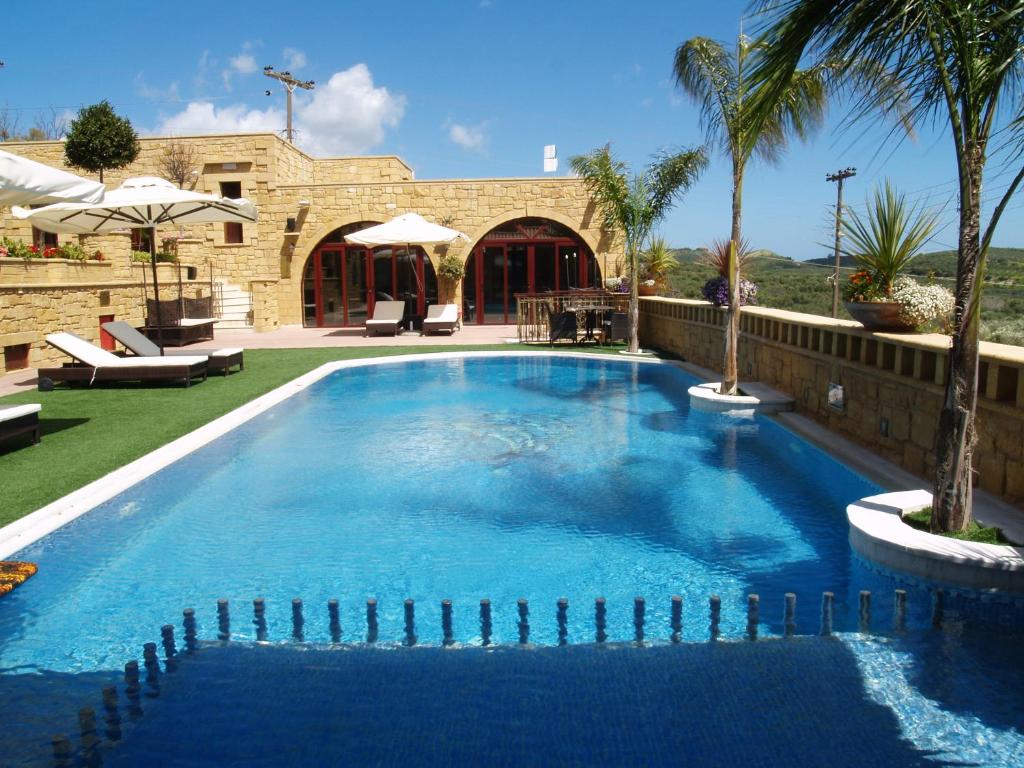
(921, 520)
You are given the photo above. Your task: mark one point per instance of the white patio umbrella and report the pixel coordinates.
(26, 182)
(143, 201)
(407, 229)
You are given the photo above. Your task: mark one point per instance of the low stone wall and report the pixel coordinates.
(30, 311)
(893, 383)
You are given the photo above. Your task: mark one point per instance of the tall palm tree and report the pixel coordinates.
(959, 62)
(635, 204)
(717, 80)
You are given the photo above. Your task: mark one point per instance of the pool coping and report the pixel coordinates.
(877, 532)
(29, 529)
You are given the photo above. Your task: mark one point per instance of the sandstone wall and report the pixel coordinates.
(893, 383)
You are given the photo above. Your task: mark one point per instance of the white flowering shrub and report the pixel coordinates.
(612, 283)
(920, 304)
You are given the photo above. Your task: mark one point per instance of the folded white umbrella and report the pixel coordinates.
(144, 202)
(26, 182)
(406, 229)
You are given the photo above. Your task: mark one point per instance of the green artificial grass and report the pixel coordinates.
(89, 432)
(978, 533)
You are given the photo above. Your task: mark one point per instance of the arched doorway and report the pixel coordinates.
(528, 255)
(341, 282)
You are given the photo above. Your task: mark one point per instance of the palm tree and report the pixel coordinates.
(960, 63)
(717, 80)
(634, 205)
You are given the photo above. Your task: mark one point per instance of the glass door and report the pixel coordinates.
(330, 300)
(355, 286)
(493, 285)
(518, 278)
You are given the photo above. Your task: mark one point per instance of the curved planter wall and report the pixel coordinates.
(878, 533)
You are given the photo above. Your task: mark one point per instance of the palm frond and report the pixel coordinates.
(706, 72)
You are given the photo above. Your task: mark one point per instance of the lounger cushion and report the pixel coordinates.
(442, 313)
(226, 352)
(137, 342)
(9, 412)
(80, 349)
(189, 322)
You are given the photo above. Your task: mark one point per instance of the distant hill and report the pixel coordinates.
(805, 286)
(1005, 265)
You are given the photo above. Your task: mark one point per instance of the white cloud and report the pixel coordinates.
(147, 91)
(346, 115)
(472, 137)
(201, 117)
(243, 63)
(294, 59)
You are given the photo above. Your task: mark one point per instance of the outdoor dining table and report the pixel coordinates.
(592, 320)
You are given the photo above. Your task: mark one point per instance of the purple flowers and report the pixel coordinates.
(716, 290)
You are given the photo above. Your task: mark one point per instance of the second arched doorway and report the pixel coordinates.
(529, 255)
(342, 282)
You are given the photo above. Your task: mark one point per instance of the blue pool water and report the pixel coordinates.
(500, 478)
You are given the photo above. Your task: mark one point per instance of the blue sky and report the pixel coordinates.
(461, 89)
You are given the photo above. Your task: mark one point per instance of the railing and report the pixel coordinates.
(533, 310)
(217, 292)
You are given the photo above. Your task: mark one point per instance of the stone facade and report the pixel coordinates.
(893, 383)
(334, 192)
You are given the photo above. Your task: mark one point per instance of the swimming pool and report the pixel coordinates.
(499, 477)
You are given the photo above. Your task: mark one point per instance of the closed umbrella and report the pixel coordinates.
(26, 182)
(144, 202)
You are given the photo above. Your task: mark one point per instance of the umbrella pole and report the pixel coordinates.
(156, 289)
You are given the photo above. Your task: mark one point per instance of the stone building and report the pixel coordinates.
(293, 266)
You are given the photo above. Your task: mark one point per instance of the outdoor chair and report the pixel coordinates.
(561, 325)
(441, 317)
(19, 420)
(387, 315)
(182, 321)
(218, 361)
(616, 327)
(93, 364)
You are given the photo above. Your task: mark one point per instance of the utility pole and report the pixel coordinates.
(839, 176)
(290, 84)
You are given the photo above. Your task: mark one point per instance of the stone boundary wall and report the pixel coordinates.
(893, 383)
(30, 311)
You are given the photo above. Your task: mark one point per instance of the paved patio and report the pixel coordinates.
(295, 336)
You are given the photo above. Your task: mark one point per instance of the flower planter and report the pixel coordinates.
(646, 290)
(878, 316)
(58, 271)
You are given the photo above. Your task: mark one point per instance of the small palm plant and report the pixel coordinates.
(657, 260)
(885, 242)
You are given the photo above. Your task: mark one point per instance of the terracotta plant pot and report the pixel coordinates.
(878, 316)
(647, 290)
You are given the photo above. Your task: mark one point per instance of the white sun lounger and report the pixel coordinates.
(386, 317)
(19, 420)
(441, 317)
(95, 364)
(220, 360)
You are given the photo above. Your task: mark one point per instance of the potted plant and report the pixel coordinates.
(716, 290)
(656, 261)
(883, 246)
(450, 271)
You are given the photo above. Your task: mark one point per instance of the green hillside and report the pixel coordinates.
(803, 286)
